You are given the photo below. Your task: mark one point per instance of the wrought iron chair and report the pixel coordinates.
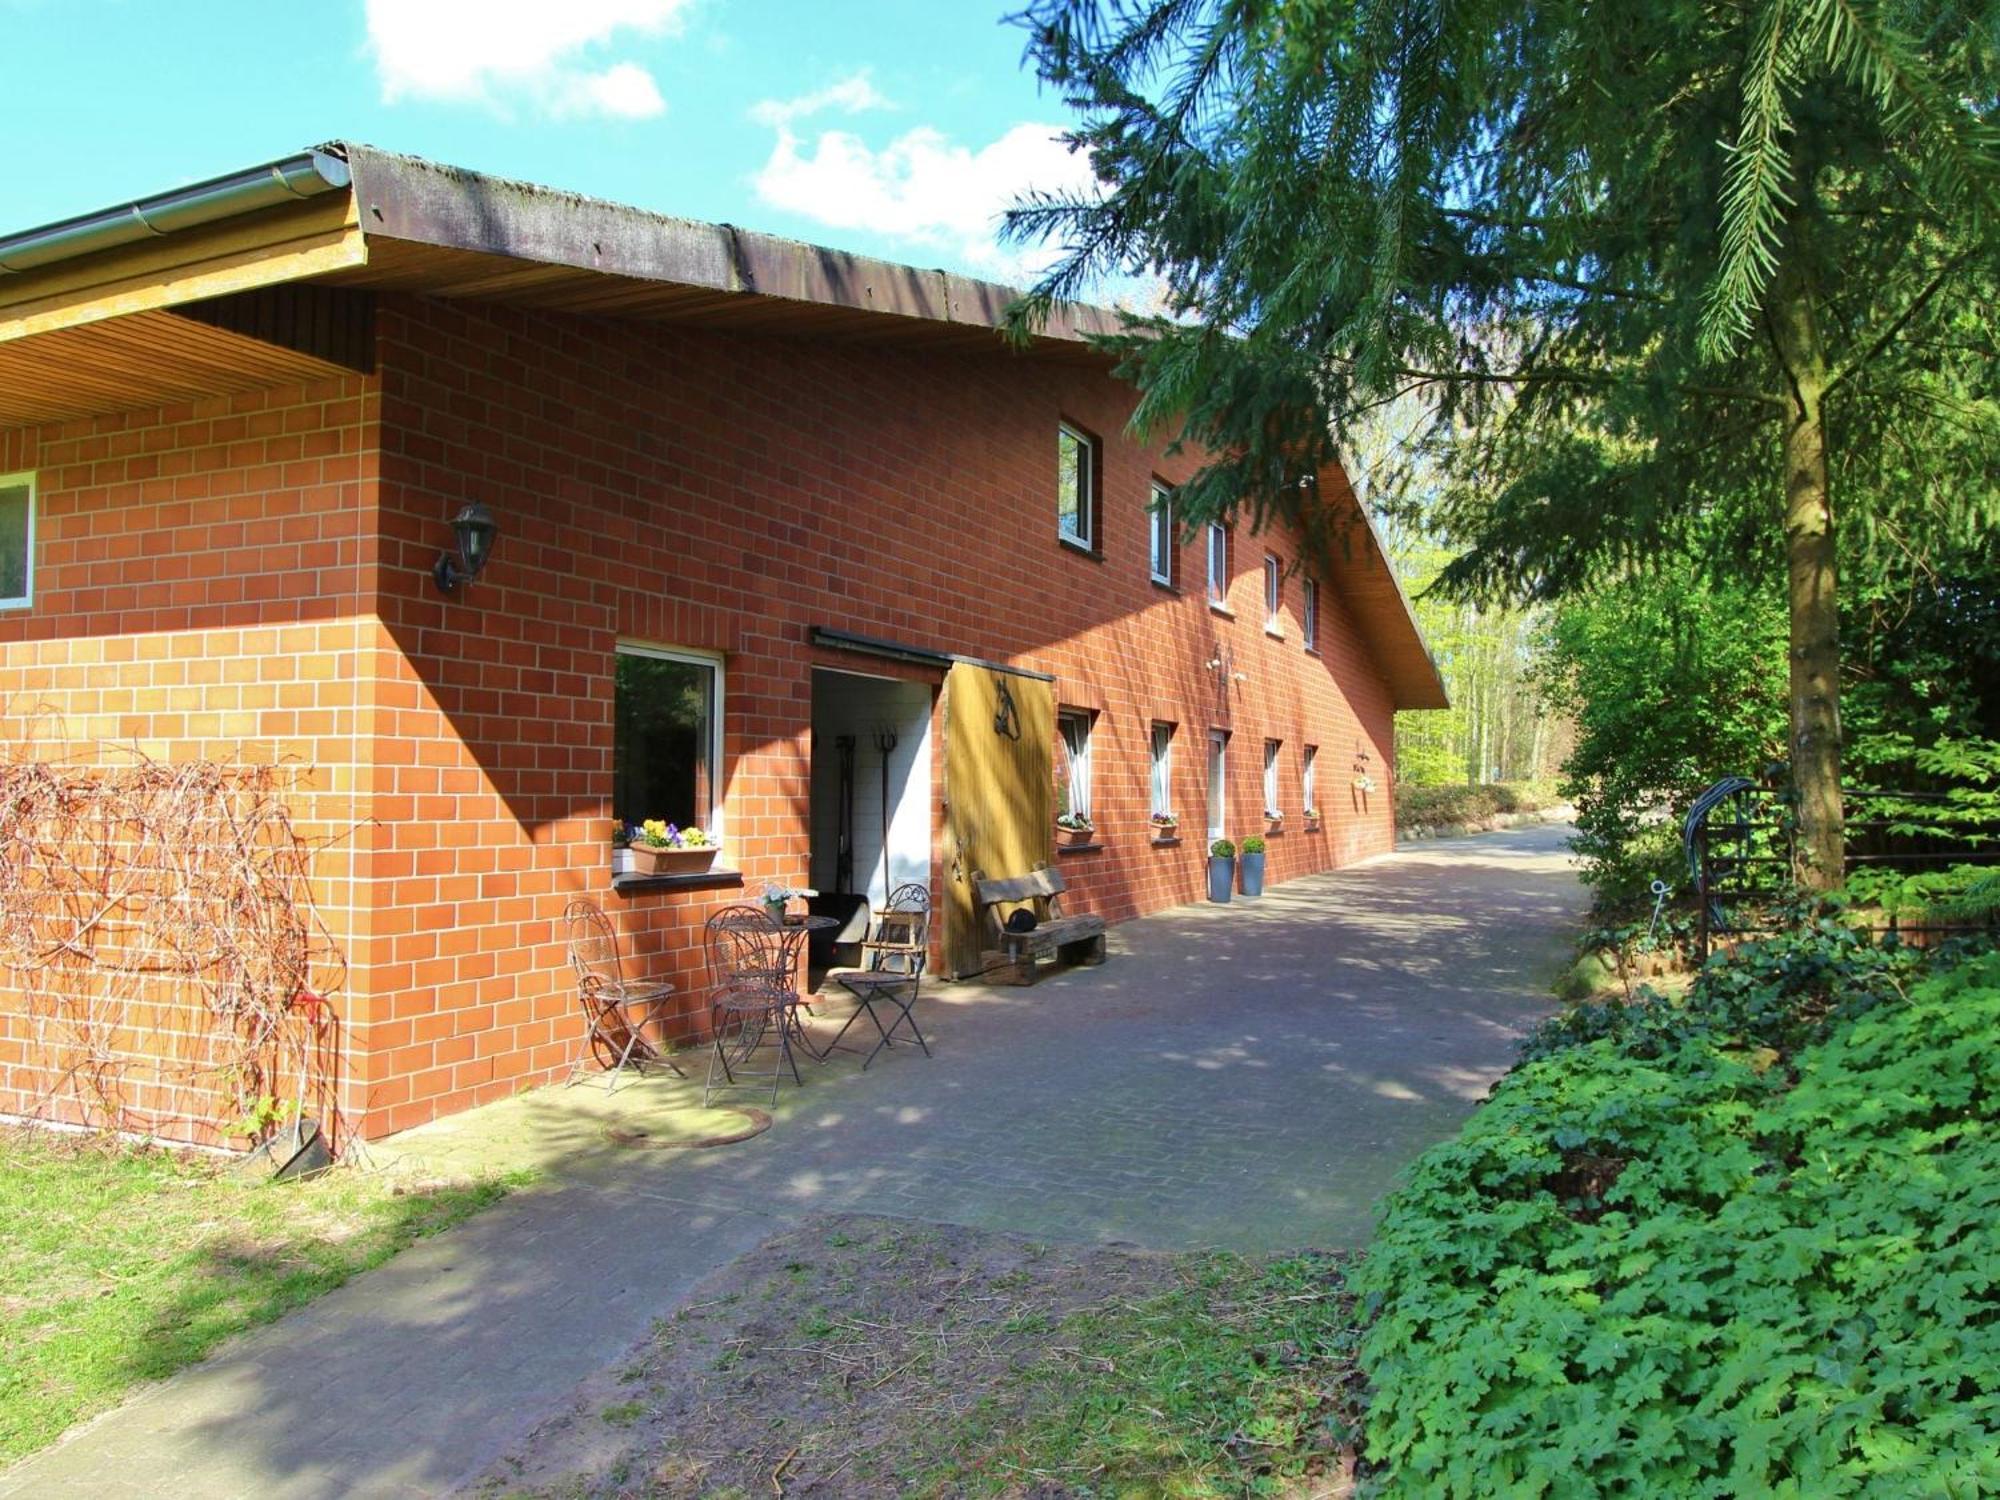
(892, 969)
(750, 997)
(616, 1010)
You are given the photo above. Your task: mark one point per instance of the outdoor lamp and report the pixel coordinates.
(474, 529)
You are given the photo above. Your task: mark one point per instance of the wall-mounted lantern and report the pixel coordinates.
(474, 529)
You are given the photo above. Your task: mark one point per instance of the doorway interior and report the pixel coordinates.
(871, 800)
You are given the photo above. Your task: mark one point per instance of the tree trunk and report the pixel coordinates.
(1811, 576)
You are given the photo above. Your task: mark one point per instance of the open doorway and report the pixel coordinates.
(871, 801)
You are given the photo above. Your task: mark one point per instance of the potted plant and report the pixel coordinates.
(1166, 828)
(777, 897)
(1311, 815)
(1221, 870)
(1073, 829)
(1253, 866)
(621, 852)
(1274, 819)
(662, 848)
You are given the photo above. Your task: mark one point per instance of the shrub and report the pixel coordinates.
(1652, 1263)
(1455, 806)
(1222, 849)
(1253, 844)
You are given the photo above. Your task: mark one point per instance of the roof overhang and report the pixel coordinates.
(262, 277)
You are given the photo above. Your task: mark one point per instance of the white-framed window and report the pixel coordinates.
(666, 751)
(1163, 770)
(1274, 594)
(1161, 529)
(1308, 778)
(1218, 782)
(1273, 752)
(1218, 562)
(1076, 487)
(1074, 726)
(1309, 613)
(17, 541)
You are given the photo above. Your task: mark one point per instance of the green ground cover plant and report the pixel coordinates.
(121, 1264)
(1742, 1243)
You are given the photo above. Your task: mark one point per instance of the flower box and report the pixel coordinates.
(650, 861)
(1071, 838)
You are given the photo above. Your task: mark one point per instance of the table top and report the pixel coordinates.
(791, 923)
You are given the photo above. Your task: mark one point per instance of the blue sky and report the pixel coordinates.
(893, 127)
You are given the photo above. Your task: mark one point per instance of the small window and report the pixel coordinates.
(1309, 613)
(17, 541)
(1163, 770)
(1218, 783)
(1218, 562)
(1074, 784)
(1273, 805)
(1162, 528)
(1308, 788)
(1274, 585)
(667, 738)
(1076, 488)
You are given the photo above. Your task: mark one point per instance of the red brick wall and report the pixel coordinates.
(202, 578)
(252, 577)
(703, 489)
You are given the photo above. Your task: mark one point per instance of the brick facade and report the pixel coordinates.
(250, 577)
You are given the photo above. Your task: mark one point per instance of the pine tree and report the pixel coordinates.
(1657, 267)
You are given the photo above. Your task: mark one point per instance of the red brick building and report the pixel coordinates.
(756, 502)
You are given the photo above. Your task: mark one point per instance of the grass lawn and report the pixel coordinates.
(120, 1264)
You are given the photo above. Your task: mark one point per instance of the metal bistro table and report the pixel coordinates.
(792, 933)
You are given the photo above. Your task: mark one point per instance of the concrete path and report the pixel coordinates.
(1250, 1076)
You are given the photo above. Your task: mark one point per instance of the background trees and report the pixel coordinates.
(1671, 278)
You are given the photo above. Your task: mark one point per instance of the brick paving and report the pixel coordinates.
(1250, 1077)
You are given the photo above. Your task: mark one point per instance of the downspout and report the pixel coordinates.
(290, 180)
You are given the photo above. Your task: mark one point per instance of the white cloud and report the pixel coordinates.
(922, 187)
(497, 51)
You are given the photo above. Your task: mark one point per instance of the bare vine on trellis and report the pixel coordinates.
(161, 923)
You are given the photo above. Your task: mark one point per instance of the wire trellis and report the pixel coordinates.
(160, 922)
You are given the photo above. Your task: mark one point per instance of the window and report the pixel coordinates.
(667, 738)
(1274, 584)
(1075, 784)
(1273, 805)
(1163, 770)
(1309, 613)
(1162, 525)
(17, 541)
(1076, 488)
(1307, 789)
(1218, 783)
(1218, 562)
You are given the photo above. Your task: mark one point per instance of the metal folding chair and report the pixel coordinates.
(616, 1010)
(750, 997)
(892, 970)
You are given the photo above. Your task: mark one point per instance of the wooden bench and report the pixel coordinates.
(1017, 958)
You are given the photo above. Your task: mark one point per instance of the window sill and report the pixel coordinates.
(1310, 649)
(1167, 842)
(1084, 549)
(1079, 848)
(1165, 585)
(1221, 609)
(706, 880)
(1275, 632)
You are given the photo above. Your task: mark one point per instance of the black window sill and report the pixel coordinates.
(1079, 848)
(1310, 649)
(1082, 549)
(705, 880)
(1275, 632)
(1168, 842)
(1165, 586)
(1221, 609)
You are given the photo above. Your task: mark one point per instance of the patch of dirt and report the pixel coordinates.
(839, 1358)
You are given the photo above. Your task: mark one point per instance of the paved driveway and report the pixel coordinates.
(1250, 1076)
